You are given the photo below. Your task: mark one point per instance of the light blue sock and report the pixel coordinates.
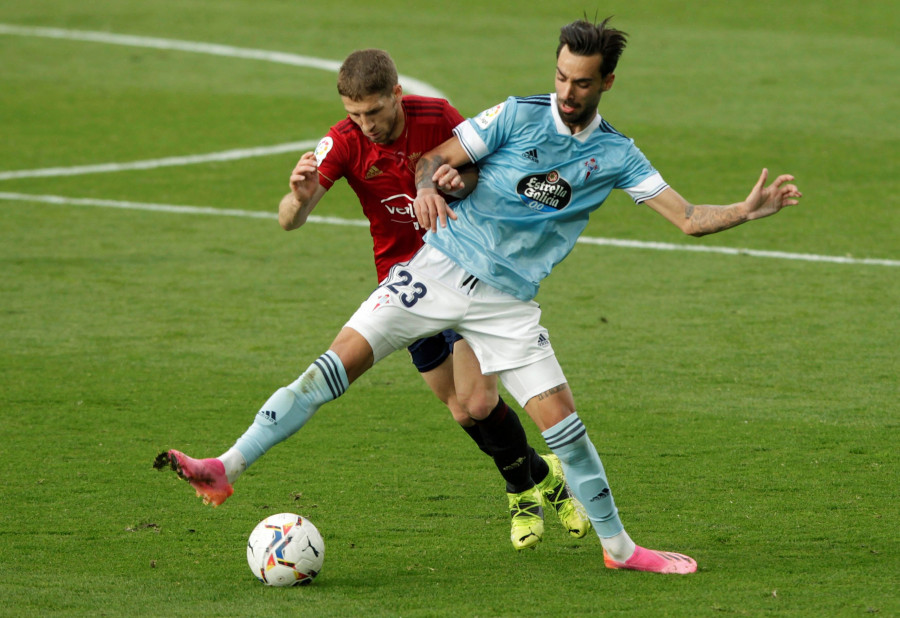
(584, 472)
(288, 409)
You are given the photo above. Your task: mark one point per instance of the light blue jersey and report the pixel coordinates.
(538, 185)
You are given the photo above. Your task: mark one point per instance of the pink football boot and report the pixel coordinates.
(654, 562)
(206, 476)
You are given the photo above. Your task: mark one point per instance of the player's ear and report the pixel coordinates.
(608, 81)
(398, 91)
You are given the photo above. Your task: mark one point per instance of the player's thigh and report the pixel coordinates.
(477, 392)
(440, 380)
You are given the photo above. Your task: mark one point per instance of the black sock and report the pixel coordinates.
(475, 433)
(539, 467)
(505, 440)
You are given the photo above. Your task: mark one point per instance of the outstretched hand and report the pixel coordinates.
(764, 201)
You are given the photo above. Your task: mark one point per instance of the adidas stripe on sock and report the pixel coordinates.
(584, 472)
(288, 409)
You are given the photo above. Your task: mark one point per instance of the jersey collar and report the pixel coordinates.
(561, 127)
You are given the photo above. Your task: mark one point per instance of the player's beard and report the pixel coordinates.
(578, 118)
(385, 137)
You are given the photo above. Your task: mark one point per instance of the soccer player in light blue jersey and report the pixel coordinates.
(546, 162)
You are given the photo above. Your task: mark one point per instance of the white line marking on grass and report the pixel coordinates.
(783, 255)
(588, 240)
(412, 85)
(182, 210)
(227, 155)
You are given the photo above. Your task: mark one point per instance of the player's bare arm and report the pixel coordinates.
(306, 192)
(700, 220)
(429, 206)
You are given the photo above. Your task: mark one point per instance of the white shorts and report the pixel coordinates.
(430, 293)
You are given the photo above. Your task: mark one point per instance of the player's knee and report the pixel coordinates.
(478, 406)
(458, 412)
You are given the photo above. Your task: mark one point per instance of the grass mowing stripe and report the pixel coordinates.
(608, 242)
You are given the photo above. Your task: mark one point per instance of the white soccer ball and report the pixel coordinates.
(285, 550)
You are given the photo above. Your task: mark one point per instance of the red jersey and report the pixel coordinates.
(383, 175)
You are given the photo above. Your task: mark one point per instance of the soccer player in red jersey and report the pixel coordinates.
(376, 149)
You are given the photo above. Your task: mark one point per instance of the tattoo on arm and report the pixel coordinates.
(710, 219)
(425, 170)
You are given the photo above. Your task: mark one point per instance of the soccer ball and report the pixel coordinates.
(285, 550)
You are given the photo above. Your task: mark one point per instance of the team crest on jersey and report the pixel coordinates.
(323, 148)
(485, 118)
(545, 192)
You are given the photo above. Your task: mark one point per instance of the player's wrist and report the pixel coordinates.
(743, 211)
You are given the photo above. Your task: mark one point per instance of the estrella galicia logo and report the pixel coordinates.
(545, 192)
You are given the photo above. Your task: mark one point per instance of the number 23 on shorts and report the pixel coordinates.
(412, 290)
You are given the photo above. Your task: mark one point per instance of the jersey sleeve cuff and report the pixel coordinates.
(647, 189)
(471, 142)
(324, 180)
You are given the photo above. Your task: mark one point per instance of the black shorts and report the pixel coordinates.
(429, 352)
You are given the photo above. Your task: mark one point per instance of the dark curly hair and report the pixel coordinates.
(585, 38)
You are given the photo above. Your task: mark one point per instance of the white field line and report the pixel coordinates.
(609, 242)
(182, 210)
(783, 255)
(410, 84)
(227, 155)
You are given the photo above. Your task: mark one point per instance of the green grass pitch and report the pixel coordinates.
(745, 405)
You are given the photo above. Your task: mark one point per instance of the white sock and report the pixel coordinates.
(234, 462)
(620, 547)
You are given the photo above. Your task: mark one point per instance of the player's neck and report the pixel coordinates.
(581, 125)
